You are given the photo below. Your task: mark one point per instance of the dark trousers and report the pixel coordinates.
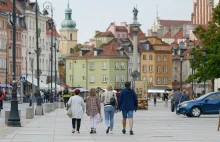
(76, 122)
(1, 104)
(66, 99)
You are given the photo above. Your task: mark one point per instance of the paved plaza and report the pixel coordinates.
(157, 124)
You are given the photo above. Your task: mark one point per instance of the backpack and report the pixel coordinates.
(65, 91)
(0, 93)
(113, 100)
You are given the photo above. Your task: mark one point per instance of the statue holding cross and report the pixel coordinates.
(135, 11)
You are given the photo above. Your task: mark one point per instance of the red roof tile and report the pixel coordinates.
(105, 34)
(169, 23)
(56, 34)
(8, 7)
(179, 35)
(110, 49)
(121, 29)
(168, 35)
(141, 35)
(187, 52)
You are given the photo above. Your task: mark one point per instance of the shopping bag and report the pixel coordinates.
(100, 119)
(69, 112)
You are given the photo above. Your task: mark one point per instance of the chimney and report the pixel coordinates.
(80, 53)
(123, 24)
(97, 32)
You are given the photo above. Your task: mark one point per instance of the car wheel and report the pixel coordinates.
(196, 112)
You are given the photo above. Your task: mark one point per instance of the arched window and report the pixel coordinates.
(71, 36)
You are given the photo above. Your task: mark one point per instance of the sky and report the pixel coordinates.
(93, 15)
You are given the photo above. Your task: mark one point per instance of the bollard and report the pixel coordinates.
(29, 113)
(7, 113)
(48, 107)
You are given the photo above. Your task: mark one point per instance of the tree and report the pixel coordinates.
(210, 37)
(76, 48)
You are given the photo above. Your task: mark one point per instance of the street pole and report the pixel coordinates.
(14, 118)
(32, 70)
(181, 66)
(55, 70)
(192, 57)
(7, 68)
(204, 61)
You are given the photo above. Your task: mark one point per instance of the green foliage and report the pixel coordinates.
(76, 48)
(209, 36)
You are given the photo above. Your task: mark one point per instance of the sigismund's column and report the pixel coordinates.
(135, 27)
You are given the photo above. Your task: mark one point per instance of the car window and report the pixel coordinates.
(214, 97)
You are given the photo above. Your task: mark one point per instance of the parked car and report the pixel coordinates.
(206, 104)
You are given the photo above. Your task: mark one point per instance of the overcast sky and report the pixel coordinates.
(92, 15)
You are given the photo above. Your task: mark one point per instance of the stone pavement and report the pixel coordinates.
(157, 124)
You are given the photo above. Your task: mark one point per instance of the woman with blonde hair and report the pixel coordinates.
(110, 102)
(93, 109)
(77, 106)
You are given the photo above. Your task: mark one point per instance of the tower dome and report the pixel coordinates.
(68, 23)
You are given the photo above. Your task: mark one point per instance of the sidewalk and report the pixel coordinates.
(157, 124)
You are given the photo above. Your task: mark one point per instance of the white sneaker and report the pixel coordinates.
(111, 132)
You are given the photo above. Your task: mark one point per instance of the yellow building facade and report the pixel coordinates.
(156, 63)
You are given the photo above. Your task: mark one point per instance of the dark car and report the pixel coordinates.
(206, 104)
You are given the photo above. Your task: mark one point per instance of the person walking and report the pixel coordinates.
(176, 98)
(2, 95)
(93, 109)
(118, 94)
(184, 96)
(77, 107)
(128, 104)
(66, 95)
(109, 99)
(165, 98)
(155, 100)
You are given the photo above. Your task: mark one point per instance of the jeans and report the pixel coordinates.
(109, 115)
(1, 104)
(94, 121)
(30, 103)
(74, 121)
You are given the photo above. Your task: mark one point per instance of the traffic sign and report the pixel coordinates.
(22, 79)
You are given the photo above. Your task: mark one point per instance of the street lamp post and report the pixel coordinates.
(181, 71)
(192, 57)
(204, 61)
(49, 6)
(14, 118)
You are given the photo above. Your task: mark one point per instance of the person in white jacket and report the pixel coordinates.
(77, 106)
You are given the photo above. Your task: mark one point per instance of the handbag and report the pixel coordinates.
(69, 111)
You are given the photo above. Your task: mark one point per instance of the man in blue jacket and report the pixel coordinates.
(127, 104)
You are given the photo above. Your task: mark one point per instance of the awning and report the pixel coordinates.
(158, 89)
(42, 85)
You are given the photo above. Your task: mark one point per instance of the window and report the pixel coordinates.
(122, 65)
(70, 65)
(123, 35)
(214, 97)
(92, 78)
(116, 65)
(175, 77)
(92, 65)
(150, 57)
(71, 36)
(144, 78)
(144, 57)
(122, 78)
(144, 68)
(70, 78)
(150, 68)
(158, 58)
(129, 70)
(165, 80)
(151, 79)
(165, 69)
(83, 66)
(104, 65)
(117, 78)
(165, 58)
(118, 35)
(158, 80)
(130, 60)
(83, 78)
(104, 78)
(29, 24)
(158, 69)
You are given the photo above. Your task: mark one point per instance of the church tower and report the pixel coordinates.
(68, 32)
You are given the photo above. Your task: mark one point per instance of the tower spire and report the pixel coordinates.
(157, 11)
(68, 3)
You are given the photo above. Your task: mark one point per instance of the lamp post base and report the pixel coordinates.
(14, 118)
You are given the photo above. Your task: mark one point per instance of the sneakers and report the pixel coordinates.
(124, 131)
(107, 131)
(111, 132)
(131, 132)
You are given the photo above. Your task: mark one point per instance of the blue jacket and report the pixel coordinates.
(127, 100)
